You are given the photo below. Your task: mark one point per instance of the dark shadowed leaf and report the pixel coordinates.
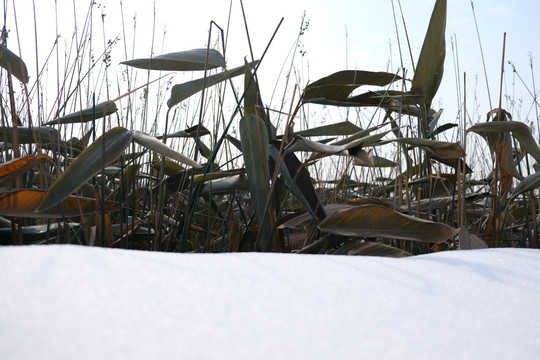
(183, 91)
(87, 164)
(11, 169)
(102, 109)
(189, 132)
(468, 241)
(368, 248)
(339, 86)
(190, 60)
(529, 183)
(25, 203)
(340, 129)
(380, 221)
(13, 63)
(430, 66)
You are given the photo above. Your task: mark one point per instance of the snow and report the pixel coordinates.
(73, 302)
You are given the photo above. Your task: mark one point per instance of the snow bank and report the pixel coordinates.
(71, 302)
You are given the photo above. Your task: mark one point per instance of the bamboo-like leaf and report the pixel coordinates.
(190, 132)
(519, 130)
(380, 221)
(468, 241)
(255, 150)
(368, 248)
(101, 110)
(340, 129)
(298, 179)
(253, 104)
(183, 91)
(443, 149)
(11, 169)
(13, 63)
(529, 183)
(228, 185)
(154, 144)
(26, 203)
(376, 161)
(87, 164)
(190, 60)
(430, 66)
(339, 86)
(32, 135)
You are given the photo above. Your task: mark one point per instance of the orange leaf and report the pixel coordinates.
(23, 203)
(11, 169)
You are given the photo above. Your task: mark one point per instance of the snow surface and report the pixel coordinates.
(72, 302)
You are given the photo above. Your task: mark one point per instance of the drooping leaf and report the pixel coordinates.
(13, 63)
(380, 221)
(87, 164)
(32, 135)
(430, 66)
(154, 144)
(181, 92)
(255, 150)
(11, 169)
(26, 203)
(101, 110)
(519, 130)
(339, 86)
(376, 161)
(443, 149)
(191, 60)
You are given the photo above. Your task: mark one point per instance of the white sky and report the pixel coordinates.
(371, 42)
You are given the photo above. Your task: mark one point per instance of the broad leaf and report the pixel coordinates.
(14, 64)
(380, 221)
(11, 169)
(529, 183)
(368, 248)
(103, 151)
(339, 86)
(183, 91)
(32, 135)
(255, 150)
(430, 66)
(189, 132)
(339, 129)
(444, 150)
(229, 185)
(191, 60)
(101, 110)
(25, 203)
(154, 144)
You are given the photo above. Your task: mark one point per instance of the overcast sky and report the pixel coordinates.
(357, 34)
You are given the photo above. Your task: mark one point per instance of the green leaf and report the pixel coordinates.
(380, 221)
(13, 63)
(430, 66)
(183, 91)
(156, 145)
(102, 109)
(32, 135)
(190, 60)
(87, 164)
(253, 104)
(339, 85)
(255, 143)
